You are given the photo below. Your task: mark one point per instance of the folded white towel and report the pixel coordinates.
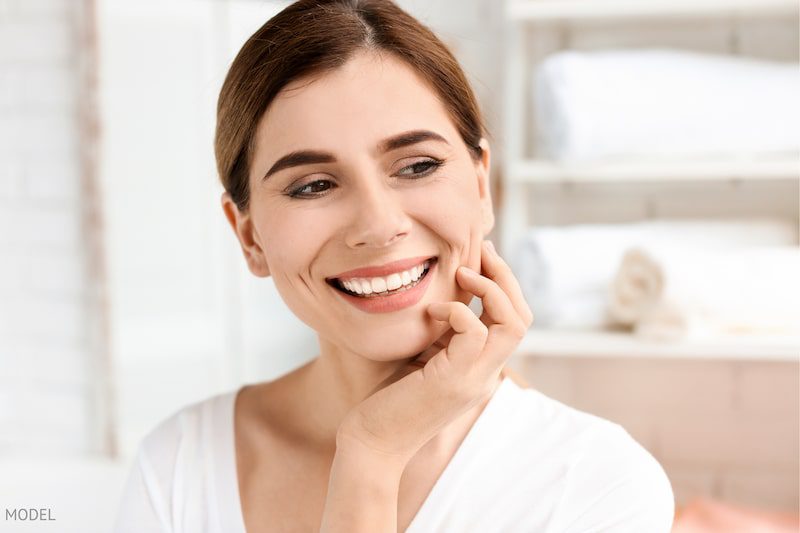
(678, 291)
(656, 102)
(565, 271)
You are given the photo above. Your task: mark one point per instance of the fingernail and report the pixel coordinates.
(490, 246)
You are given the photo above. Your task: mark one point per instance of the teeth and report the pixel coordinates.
(378, 285)
(394, 281)
(387, 283)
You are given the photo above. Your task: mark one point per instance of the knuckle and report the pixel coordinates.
(518, 331)
(481, 330)
(529, 319)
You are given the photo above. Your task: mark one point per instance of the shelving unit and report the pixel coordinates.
(743, 168)
(520, 171)
(571, 343)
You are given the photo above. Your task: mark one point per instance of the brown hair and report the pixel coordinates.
(311, 37)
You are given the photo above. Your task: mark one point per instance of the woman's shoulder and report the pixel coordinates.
(617, 481)
(187, 426)
(173, 464)
(606, 472)
(537, 412)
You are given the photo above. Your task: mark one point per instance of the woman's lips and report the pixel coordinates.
(382, 270)
(390, 302)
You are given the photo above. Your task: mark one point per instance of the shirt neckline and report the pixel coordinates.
(487, 423)
(227, 494)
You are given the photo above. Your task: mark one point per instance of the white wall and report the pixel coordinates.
(188, 319)
(47, 359)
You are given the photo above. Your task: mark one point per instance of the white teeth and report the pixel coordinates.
(394, 281)
(387, 283)
(378, 285)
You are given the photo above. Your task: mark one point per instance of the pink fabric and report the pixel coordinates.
(704, 515)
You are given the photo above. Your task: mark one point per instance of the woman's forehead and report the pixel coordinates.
(367, 99)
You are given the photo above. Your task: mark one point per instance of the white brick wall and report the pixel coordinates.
(46, 355)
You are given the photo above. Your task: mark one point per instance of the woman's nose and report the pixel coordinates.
(378, 217)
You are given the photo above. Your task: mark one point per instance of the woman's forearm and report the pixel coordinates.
(362, 492)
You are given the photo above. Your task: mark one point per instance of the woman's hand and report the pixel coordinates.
(460, 369)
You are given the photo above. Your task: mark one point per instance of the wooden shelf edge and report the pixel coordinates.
(546, 171)
(612, 344)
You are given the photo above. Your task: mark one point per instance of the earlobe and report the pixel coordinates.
(242, 226)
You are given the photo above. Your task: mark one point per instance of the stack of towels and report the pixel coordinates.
(664, 279)
(593, 105)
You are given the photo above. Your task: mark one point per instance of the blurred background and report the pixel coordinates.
(645, 177)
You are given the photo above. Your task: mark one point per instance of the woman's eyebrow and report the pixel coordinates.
(308, 157)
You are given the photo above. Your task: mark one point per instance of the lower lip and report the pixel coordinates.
(392, 302)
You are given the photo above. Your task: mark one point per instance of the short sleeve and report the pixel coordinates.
(146, 504)
(617, 487)
(142, 507)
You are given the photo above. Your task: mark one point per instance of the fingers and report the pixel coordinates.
(469, 333)
(505, 311)
(495, 302)
(499, 291)
(505, 320)
(434, 348)
(493, 266)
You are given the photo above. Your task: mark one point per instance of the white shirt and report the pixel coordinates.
(528, 464)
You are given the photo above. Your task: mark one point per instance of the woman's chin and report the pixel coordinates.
(403, 344)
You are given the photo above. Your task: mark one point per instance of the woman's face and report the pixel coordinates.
(358, 201)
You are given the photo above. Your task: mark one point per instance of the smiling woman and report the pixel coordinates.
(356, 173)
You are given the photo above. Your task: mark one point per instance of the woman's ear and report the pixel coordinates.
(484, 190)
(242, 225)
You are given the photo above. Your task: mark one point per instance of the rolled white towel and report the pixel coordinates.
(687, 291)
(637, 287)
(638, 298)
(564, 271)
(665, 321)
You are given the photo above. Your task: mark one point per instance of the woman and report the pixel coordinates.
(356, 173)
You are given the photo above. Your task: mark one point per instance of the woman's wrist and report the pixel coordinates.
(362, 490)
(352, 451)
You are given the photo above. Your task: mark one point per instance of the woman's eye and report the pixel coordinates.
(309, 189)
(427, 167)
(317, 188)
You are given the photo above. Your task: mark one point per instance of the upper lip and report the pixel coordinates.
(383, 270)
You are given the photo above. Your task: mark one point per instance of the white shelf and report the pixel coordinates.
(598, 343)
(545, 171)
(544, 10)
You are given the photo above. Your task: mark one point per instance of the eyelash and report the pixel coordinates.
(433, 165)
